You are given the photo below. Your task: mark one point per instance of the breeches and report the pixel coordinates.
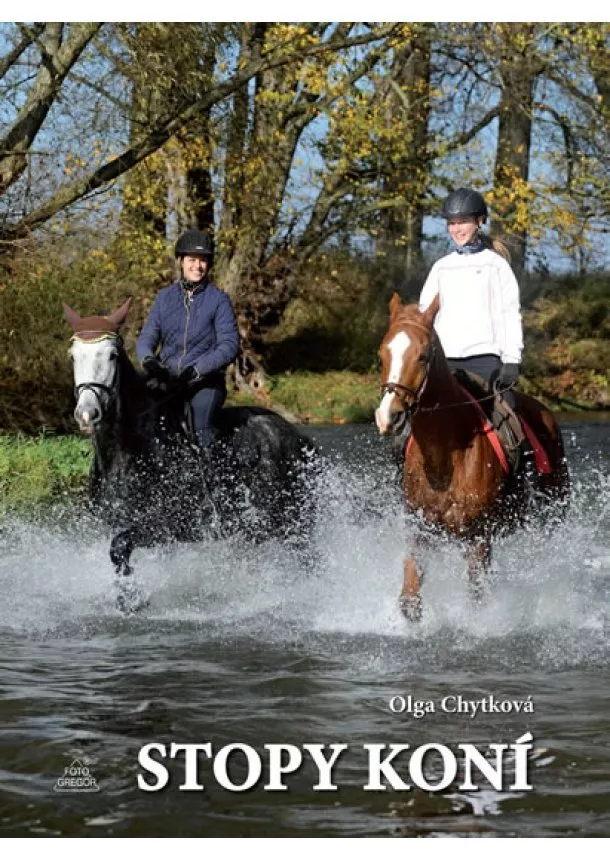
(205, 406)
(487, 367)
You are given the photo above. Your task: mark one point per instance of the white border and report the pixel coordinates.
(239, 10)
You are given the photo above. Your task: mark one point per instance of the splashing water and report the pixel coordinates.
(541, 583)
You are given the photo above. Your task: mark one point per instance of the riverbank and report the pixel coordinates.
(39, 471)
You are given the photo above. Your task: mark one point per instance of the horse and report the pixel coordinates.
(454, 474)
(151, 483)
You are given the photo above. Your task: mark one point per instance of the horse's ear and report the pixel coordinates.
(70, 316)
(395, 305)
(431, 311)
(117, 317)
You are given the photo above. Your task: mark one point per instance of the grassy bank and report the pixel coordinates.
(336, 397)
(41, 470)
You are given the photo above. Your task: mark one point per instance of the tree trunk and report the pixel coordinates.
(144, 199)
(199, 188)
(511, 173)
(405, 180)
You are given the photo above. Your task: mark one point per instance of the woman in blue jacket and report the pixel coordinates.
(193, 325)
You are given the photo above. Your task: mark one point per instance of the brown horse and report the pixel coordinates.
(453, 472)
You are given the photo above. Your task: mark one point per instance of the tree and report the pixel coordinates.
(541, 84)
(262, 244)
(59, 49)
(405, 173)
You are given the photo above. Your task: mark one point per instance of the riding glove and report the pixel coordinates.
(509, 374)
(154, 369)
(189, 376)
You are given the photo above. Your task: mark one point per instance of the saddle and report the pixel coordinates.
(504, 420)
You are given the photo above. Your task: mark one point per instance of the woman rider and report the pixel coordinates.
(479, 320)
(193, 325)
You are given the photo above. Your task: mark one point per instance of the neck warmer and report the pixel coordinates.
(193, 286)
(473, 247)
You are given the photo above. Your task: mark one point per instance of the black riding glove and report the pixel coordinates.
(154, 369)
(189, 377)
(509, 374)
(157, 375)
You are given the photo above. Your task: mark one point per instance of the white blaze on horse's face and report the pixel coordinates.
(95, 367)
(397, 347)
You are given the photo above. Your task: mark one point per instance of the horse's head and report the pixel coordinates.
(95, 353)
(406, 354)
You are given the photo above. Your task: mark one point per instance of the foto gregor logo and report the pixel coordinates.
(77, 777)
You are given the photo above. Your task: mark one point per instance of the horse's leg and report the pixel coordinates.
(129, 599)
(479, 557)
(121, 548)
(410, 596)
(410, 601)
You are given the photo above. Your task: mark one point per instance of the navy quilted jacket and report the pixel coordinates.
(200, 331)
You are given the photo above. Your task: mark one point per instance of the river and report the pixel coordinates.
(240, 645)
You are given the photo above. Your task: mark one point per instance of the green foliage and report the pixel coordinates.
(567, 331)
(41, 470)
(337, 320)
(35, 371)
(327, 398)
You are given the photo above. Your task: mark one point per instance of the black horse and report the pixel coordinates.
(152, 484)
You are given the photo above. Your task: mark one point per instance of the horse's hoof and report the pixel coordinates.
(410, 606)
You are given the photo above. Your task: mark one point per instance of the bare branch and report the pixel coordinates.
(149, 142)
(468, 135)
(54, 68)
(29, 36)
(102, 91)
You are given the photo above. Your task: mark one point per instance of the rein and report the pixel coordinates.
(391, 386)
(438, 408)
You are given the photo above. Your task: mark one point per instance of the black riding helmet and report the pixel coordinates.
(195, 242)
(463, 203)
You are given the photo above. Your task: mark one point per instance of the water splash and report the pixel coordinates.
(547, 589)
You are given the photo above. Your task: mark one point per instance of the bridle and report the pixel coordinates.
(403, 391)
(97, 388)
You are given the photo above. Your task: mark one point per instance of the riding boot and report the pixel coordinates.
(508, 427)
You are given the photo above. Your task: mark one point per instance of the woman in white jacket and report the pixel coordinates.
(479, 320)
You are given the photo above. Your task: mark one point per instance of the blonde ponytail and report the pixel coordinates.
(494, 243)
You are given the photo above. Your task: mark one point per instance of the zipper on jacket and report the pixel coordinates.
(187, 307)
